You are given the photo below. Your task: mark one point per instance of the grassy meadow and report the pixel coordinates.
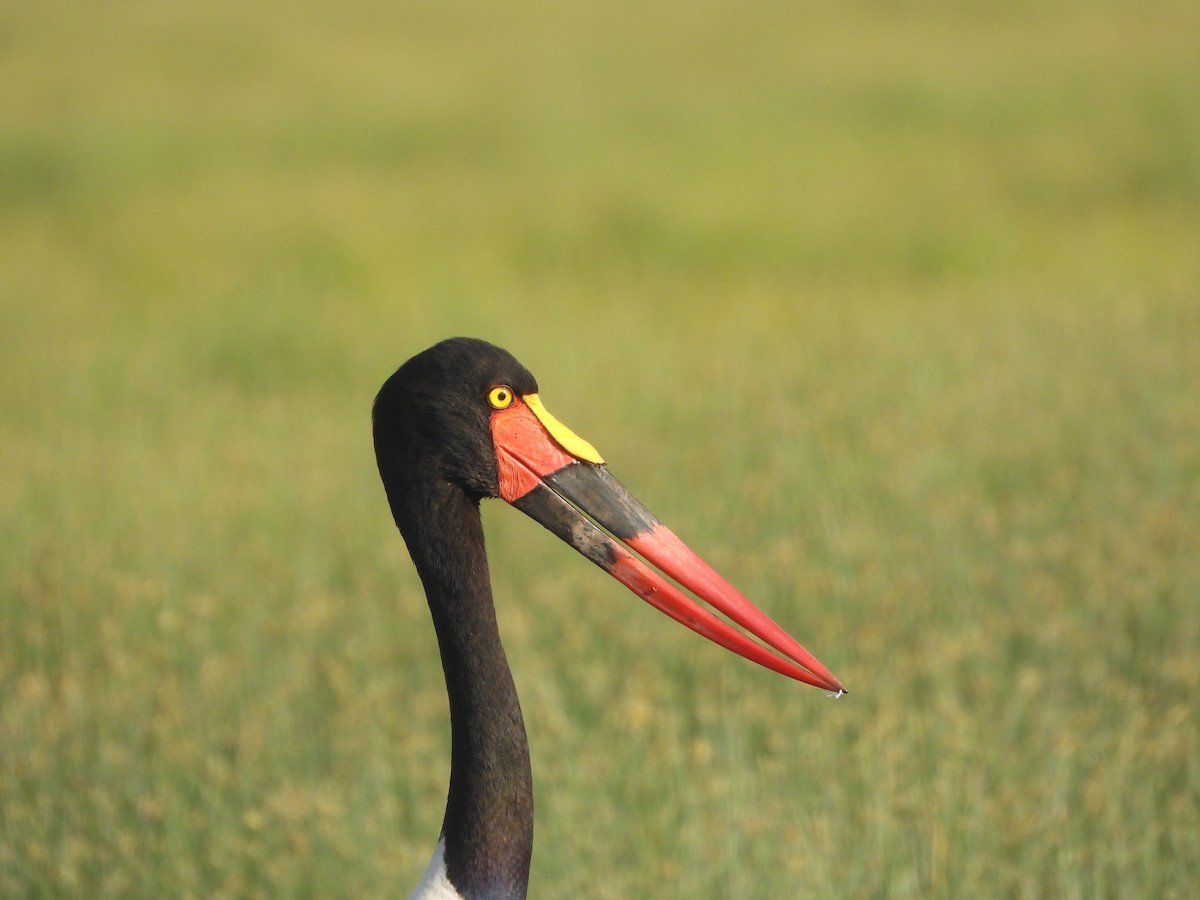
(891, 312)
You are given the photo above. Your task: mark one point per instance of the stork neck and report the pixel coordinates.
(488, 827)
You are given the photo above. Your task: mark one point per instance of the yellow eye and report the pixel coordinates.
(500, 396)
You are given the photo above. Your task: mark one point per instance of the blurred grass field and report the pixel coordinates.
(892, 312)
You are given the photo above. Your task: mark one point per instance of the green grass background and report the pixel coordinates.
(891, 310)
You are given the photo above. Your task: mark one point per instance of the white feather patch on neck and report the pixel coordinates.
(434, 884)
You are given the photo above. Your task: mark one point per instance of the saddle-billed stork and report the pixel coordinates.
(457, 423)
